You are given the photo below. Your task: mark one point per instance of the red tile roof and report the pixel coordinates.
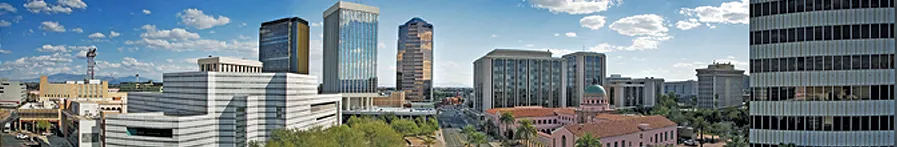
(619, 127)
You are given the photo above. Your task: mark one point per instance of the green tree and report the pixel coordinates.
(294, 137)
(737, 141)
(700, 124)
(507, 119)
(477, 139)
(379, 134)
(44, 125)
(468, 129)
(345, 136)
(588, 141)
(526, 130)
(405, 126)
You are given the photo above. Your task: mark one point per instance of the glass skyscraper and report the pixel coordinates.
(582, 70)
(350, 48)
(822, 73)
(414, 60)
(283, 45)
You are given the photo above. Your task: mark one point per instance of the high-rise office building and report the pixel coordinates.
(414, 60)
(508, 78)
(822, 73)
(683, 90)
(283, 45)
(350, 48)
(719, 86)
(583, 69)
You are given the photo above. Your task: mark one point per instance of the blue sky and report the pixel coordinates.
(642, 38)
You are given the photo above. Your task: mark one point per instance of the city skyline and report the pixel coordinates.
(154, 37)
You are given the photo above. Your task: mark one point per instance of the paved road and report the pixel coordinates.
(453, 137)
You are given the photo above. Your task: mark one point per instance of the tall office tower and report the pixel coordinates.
(627, 93)
(350, 48)
(683, 90)
(822, 73)
(414, 60)
(582, 70)
(719, 86)
(509, 78)
(283, 45)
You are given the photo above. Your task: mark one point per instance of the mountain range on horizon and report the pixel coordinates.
(62, 77)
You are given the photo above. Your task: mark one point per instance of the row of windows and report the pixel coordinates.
(819, 63)
(823, 123)
(797, 6)
(823, 93)
(777, 145)
(835, 32)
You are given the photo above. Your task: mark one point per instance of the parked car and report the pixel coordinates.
(691, 142)
(21, 136)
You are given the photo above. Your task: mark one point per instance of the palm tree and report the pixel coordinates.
(477, 138)
(588, 141)
(507, 118)
(701, 125)
(526, 130)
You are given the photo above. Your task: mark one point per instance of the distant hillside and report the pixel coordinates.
(62, 77)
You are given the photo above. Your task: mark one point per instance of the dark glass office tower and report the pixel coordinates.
(822, 73)
(283, 45)
(350, 48)
(414, 60)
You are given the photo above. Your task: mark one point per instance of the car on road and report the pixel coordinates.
(21, 136)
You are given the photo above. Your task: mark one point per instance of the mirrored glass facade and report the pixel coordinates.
(414, 60)
(350, 48)
(283, 45)
(822, 73)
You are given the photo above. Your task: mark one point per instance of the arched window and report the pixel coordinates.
(563, 141)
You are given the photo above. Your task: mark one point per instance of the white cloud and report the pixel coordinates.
(734, 12)
(575, 6)
(593, 22)
(113, 34)
(529, 45)
(81, 50)
(242, 37)
(570, 34)
(242, 24)
(638, 44)
(73, 3)
(559, 52)
(211, 32)
(197, 19)
(51, 48)
(639, 25)
(62, 6)
(317, 24)
(52, 26)
(5, 51)
(77, 30)
(557, 34)
(7, 7)
(4, 23)
(173, 34)
(147, 12)
(447, 74)
(686, 25)
(97, 35)
(494, 36)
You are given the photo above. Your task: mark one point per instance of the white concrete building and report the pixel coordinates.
(12, 93)
(625, 92)
(516, 77)
(719, 86)
(221, 109)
